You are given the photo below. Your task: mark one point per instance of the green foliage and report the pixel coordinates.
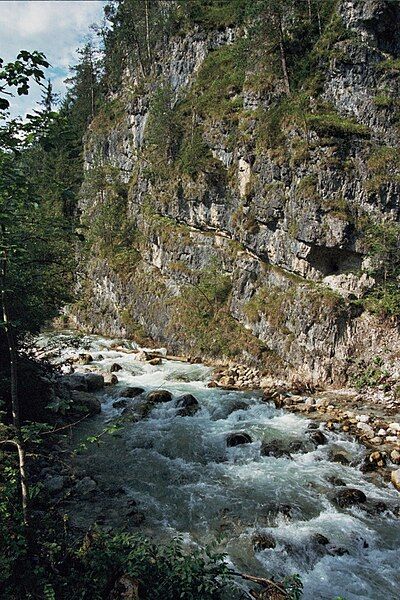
(137, 27)
(195, 156)
(219, 82)
(69, 568)
(382, 241)
(108, 227)
(332, 124)
(390, 64)
(162, 129)
(370, 375)
(18, 75)
(202, 313)
(213, 14)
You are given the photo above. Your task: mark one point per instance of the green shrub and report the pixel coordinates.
(219, 82)
(382, 242)
(332, 124)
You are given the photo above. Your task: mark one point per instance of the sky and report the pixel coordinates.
(55, 27)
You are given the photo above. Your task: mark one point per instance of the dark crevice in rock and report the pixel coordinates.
(333, 261)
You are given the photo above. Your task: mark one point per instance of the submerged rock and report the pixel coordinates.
(336, 481)
(188, 405)
(318, 438)
(320, 539)
(263, 541)
(349, 497)
(120, 403)
(339, 457)
(159, 396)
(237, 439)
(275, 448)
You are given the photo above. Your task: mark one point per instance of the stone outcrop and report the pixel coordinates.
(283, 223)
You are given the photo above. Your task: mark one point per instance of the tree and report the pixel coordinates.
(32, 278)
(14, 75)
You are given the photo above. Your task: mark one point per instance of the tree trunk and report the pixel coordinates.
(146, 8)
(12, 348)
(282, 53)
(309, 10)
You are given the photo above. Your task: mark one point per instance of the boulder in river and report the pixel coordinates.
(159, 396)
(75, 381)
(110, 379)
(155, 361)
(263, 541)
(88, 401)
(115, 367)
(238, 438)
(188, 405)
(54, 484)
(120, 403)
(85, 486)
(94, 382)
(276, 448)
(395, 478)
(132, 392)
(84, 359)
(349, 497)
(339, 457)
(318, 437)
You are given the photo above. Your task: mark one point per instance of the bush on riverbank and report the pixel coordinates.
(100, 565)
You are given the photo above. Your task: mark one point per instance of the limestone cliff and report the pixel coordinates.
(227, 216)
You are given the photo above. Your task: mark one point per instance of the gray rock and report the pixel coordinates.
(276, 448)
(85, 486)
(88, 401)
(54, 484)
(94, 381)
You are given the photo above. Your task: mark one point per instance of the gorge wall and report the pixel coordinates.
(226, 215)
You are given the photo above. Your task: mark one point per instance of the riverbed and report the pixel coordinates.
(184, 479)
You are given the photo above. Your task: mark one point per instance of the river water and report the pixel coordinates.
(187, 482)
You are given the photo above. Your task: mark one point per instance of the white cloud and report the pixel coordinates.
(55, 27)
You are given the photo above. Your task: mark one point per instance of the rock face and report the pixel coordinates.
(276, 229)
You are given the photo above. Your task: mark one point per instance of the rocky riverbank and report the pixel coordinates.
(371, 416)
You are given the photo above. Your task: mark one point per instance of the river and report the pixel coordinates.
(187, 482)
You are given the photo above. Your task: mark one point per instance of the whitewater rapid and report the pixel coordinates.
(188, 483)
